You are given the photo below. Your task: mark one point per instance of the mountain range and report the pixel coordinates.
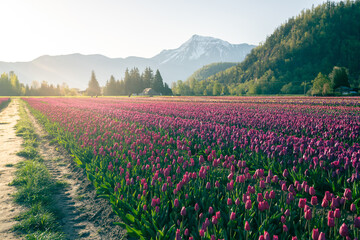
(174, 64)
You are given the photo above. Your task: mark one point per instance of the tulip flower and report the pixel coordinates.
(357, 222)
(314, 200)
(308, 214)
(247, 226)
(315, 234)
(176, 202)
(302, 202)
(331, 222)
(337, 213)
(248, 204)
(183, 211)
(232, 216)
(344, 231)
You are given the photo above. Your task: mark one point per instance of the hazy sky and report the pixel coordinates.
(119, 28)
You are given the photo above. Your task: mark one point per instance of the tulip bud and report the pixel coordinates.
(247, 226)
(312, 191)
(325, 203)
(211, 210)
(287, 212)
(314, 200)
(285, 173)
(183, 211)
(302, 202)
(308, 214)
(348, 194)
(344, 231)
(285, 228)
(232, 216)
(331, 222)
(315, 234)
(353, 207)
(248, 204)
(214, 220)
(176, 202)
(337, 213)
(197, 207)
(322, 236)
(272, 194)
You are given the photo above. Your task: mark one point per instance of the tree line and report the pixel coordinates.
(132, 83)
(11, 86)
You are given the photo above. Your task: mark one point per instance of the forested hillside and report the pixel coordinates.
(315, 41)
(210, 69)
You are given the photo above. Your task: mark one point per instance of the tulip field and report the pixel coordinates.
(3, 101)
(217, 167)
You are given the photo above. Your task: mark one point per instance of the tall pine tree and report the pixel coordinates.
(158, 84)
(93, 87)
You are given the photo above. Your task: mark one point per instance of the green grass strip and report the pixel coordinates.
(35, 188)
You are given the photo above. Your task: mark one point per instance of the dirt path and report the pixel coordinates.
(9, 145)
(84, 216)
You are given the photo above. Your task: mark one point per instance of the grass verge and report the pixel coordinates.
(35, 188)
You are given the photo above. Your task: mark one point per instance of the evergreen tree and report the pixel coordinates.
(167, 90)
(111, 87)
(93, 87)
(158, 84)
(135, 81)
(127, 83)
(147, 77)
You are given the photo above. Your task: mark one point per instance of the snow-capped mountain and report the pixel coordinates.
(205, 49)
(174, 64)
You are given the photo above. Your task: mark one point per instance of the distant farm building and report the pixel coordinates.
(343, 90)
(149, 92)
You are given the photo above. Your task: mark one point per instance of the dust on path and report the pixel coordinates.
(83, 215)
(9, 145)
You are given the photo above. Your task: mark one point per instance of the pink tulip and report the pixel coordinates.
(183, 211)
(314, 200)
(312, 191)
(337, 213)
(248, 204)
(232, 216)
(344, 231)
(302, 202)
(315, 234)
(308, 214)
(176, 202)
(247, 226)
(321, 236)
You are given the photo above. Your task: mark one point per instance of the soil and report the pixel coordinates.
(9, 145)
(84, 216)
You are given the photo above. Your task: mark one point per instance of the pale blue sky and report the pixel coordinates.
(119, 28)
